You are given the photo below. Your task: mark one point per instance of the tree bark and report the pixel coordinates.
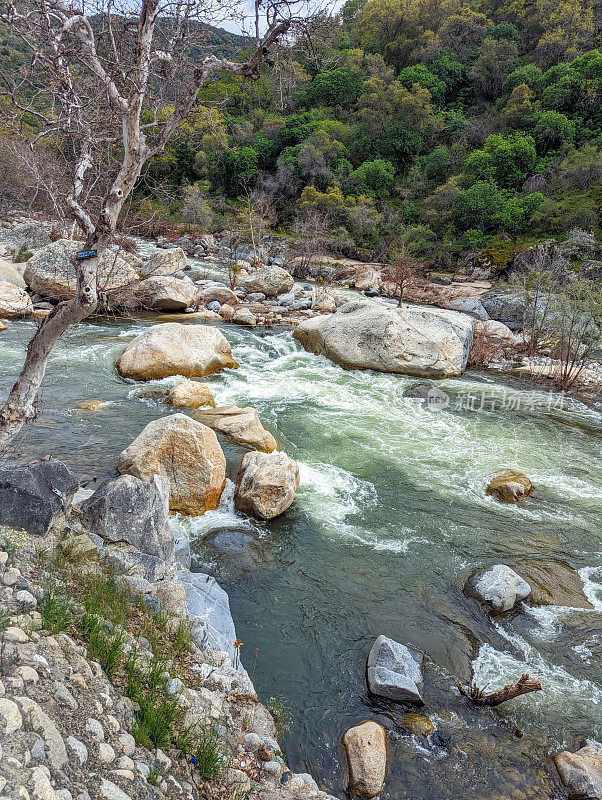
(523, 685)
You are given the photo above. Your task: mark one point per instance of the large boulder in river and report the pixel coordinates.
(14, 302)
(9, 274)
(218, 293)
(366, 749)
(190, 394)
(166, 293)
(131, 510)
(500, 587)
(420, 341)
(35, 497)
(271, 281)
(51, 273)
(266, 484)
(394, 671)
(165, 262)
(185, 452)
(173, 348)
(240, 425)
(553, 584)
(510, 486)
(581, 772)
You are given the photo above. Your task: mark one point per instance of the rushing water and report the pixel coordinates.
(390, 518)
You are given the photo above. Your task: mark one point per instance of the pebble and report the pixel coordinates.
(10, 716)
(174, 686)
(128, 743)
(106, 754)
(94, 728)
(38, 750)
(28, 674)
(15, 635)
(111, 791)
(79, 748)
(26, 598)
(64, 696)
(143, 769)
(40, 781)
(63, 794)
(125, 762)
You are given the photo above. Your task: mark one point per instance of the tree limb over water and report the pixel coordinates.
(524, 685)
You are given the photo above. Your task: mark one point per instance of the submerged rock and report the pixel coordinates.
(581, 772)
(425, 342)
(91, 405)
(417, 724)
(50, 272)
(554, 584)
(14, 301)
(366, 749)
(500, 587)
(172, 348)
(266, 484)
(35, 497)
(240, 425)
(131, 510)
(394, 671)
(510, 486)
(190, 394)
(185, 452)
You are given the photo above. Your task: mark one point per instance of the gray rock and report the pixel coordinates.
(32, 235)
(165, 263)
(110, 791)
(127, 743)
(507, 307)
(79, 748)
(242, 316)
(33, 497)
(174, 686)
(208, 609)
(270, 281)
(95, 729)
(214, 305)
(131, 510)
(266, 484)
(38, 750)
(300, 305)
(37, 720)
(395, 671)
(166, 293)
(64, 696)
(499, 586)
(468, 305)
(10, 716)
(26, 598)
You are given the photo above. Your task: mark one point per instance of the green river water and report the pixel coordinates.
(390, 518)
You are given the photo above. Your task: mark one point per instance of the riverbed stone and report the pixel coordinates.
(510, 486)
(240, 425)
(420, 341)
(417, 724)
(166, 293)
(581, 772)
(553, 584)
(185, 452)
(34, 497)
(218, 294)
(366, 750)
(10, 274)
(271, 281)
(500, 587)
(164, 262)
(174, 348)
(51, 272)
(243, 316)
(134, 510)
(266, 484)
(394, 671)
(190, 394)
(14, 301)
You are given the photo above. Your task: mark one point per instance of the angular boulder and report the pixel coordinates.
(190, 394)
(394, 671)
(51, 273)
(166, 293)
(240, 425)
(499, 587)
(581, 772)
(266, 484)
(208, 609)
(243, 316)
(14, 301)
(272, 281)
(366, 750)
(510, 486)
(420, 341)
(34, 497)
(324, 303)
(131, 510)
(185, 452)
(173, 348)
(9, 274)
(164, 262)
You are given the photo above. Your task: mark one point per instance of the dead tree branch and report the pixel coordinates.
(523, 685)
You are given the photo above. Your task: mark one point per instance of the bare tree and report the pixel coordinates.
(575, 329)
(108, 88)
(404, 274)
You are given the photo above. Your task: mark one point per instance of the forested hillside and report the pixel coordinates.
(428, 125)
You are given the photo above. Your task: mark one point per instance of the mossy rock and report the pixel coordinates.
(417, 724)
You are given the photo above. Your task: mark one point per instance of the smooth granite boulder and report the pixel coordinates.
(500, 587)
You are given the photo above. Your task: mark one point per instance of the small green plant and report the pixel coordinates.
(11, 550)
(182, 639)
(104, 596)
(23, 254)
(202, 745)
(4, 623)
(104, 646)
(55, 611)
(153, 776)
(281, 714)
(157, 715)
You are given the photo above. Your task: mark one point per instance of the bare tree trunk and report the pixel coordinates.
(20, 404)
(523, 685)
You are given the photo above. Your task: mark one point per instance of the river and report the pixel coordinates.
(390, 518)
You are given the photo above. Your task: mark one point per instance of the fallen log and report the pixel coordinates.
(523, 685)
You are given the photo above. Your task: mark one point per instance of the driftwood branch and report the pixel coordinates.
(523, 685)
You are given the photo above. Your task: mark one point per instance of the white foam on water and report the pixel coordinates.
(592, 585)
(224, 516)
